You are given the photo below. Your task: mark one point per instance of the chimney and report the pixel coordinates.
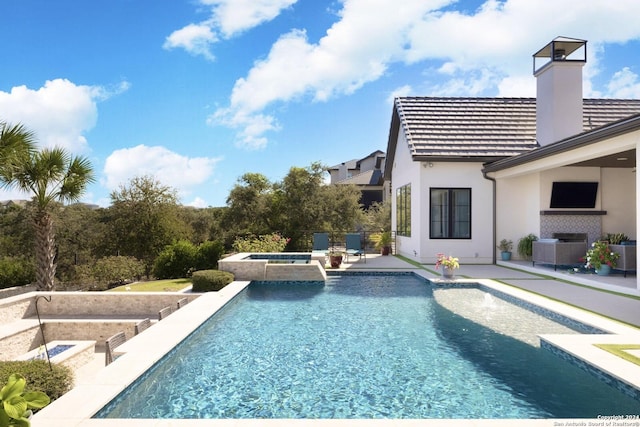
(558, 71)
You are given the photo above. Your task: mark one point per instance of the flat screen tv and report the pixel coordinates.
(574, 195)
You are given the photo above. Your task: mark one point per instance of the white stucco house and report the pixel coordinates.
(465, 173)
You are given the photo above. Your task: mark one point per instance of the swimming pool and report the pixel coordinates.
(359, 347)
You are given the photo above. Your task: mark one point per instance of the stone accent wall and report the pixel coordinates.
(19, 343)
(244, 269)
(83, 330)
(16, 308)
(296, 272)
(110, 304)
(589, 224)
(93, 316)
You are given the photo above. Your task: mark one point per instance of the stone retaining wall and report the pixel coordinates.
(93, 316)
(90, 304)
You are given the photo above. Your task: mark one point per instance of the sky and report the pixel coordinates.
(196, 93)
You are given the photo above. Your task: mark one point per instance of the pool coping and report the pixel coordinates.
(77, 407)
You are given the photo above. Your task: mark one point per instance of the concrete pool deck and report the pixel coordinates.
(100, 384)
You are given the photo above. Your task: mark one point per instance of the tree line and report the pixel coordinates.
(59, 243)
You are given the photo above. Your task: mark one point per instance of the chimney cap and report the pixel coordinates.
(561, 49)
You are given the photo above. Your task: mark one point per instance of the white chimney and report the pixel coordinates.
(558, 70)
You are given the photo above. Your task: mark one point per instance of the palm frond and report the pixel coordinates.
(17, 144)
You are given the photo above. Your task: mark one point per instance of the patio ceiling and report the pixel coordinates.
(624, 159)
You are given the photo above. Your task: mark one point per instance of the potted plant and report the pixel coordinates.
(335, 259)
(382, 242)
(525, 245)
(16, 405)
(616, 238)
(448, 263)
(505, 248)
(601, 258)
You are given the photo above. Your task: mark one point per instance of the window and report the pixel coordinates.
(450, 216)
(403, 211)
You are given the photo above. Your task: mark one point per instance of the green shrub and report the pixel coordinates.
(209, 253)
(16, 271)
(210, 280)
(175, 261)
(53, 382)
(265, 243)
(182, 258)
(525, 245)
(112, 271)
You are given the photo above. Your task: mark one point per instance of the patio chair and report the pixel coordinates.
(182, 302)
(111, 344)
(142, 325)
(354, 246)
(164, 312)
(320, 243)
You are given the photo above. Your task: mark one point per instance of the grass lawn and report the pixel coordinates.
(169, 285)
(619, 350)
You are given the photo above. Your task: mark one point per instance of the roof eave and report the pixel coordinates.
(614, 129)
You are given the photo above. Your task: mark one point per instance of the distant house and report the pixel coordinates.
(11, 203)
(366, 173)
(466, 172)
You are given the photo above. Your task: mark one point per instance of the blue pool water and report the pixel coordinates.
(359, 347)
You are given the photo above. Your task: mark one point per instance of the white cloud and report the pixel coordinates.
(480, 52)
(193, 38)
(228, 18)
(235, 16)
(624, 84)
(197, 203)
(59, 113)
(170, 168)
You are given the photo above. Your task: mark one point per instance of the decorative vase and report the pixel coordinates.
(604, 270)
(447, 272)
(335, 260)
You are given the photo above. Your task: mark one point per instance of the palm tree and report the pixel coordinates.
(51, 175)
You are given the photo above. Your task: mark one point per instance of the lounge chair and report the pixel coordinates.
(164, 312)
(182, 302)
(142, 325)
(110, 345)
(320, 244)
(354, 246)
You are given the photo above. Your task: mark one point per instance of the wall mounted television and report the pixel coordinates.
(574, 195)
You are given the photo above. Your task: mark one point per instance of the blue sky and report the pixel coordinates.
(198, 92)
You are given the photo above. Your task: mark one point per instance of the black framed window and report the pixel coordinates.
(403, 211)
(450, 213)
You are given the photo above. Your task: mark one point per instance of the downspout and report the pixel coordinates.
(495, 241)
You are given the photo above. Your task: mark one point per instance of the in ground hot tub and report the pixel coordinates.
(281, 266)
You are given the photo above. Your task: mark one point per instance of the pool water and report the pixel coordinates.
(359, 347)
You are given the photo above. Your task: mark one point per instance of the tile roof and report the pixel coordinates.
(484, 129)
(372, 177)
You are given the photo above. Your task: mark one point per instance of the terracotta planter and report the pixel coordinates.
(335, 260)
(386, 250)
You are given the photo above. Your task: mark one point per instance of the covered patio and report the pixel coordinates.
(606, 157)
